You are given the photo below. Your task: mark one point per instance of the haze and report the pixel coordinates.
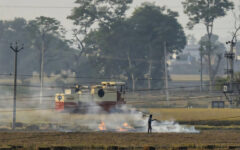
(60, 9)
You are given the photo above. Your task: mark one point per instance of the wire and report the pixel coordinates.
(32, 109)
(174, 100)
(78, 77)
(90, 106)
(31, 6)
(56, 7)
(181, 87)
(139, 90)
(35, 86)
(20, 99)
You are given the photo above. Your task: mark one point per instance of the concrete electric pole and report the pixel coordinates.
(166, 71)
(230, 58)
(16, 49)
(201, 68)
(42, 72)
(228, 89)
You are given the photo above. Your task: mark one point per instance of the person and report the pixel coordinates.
(150, 123)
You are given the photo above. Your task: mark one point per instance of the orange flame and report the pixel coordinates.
(122, 130)
(102, 126)
(126, 125)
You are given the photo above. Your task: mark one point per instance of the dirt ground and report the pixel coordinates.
(204, 140)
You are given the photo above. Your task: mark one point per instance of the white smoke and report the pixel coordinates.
(137, 122)
(119, 119)
(173, 127)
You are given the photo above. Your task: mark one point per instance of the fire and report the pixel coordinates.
(122, 130)
(102, 126)
(127, 126)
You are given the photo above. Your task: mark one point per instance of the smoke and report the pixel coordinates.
(127, 119)
(92, 119)
(171, 126)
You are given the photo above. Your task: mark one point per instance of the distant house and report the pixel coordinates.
(193, 50)
(186, 62)
(188, 55)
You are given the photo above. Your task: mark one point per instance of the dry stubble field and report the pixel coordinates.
(100, 140)
(206, 139)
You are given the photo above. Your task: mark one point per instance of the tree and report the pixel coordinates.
(92, 14)
(58, 55)
(134, 47)
(12, 31)
(156, 25)
(216, 54)
(206, 12)
(41, 28)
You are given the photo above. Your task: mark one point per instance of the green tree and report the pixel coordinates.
(12, 31)
(206, 12)
(216, 54)
(134, 47)
(156, 25)
(90, 14)
(41, 28)
(58, 54)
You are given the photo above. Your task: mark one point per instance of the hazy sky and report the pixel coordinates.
(60, 9)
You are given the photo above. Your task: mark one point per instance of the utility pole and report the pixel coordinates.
(42, 72)
(150, 75)
(16, 50)
(230, 71)
(228, 89)
(201, 88)
(232, 64)
(166, 71)
(201, 68)
(230, 58)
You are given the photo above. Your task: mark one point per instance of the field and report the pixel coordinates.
(34, 131)
(44, 128)
(195, 114)
(199, 117)
(123, 141)
(185, 77)
(203, 119)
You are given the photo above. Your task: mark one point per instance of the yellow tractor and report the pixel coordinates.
(107, 96)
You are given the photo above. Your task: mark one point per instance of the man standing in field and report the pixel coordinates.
(150, 123)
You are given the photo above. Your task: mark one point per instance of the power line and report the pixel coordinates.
(54, 7)
(90, 106)
(52, 96)
(174, 100)
(32, 6)
(78, 77)
(23, 98)
(181, 87)
(138, 90)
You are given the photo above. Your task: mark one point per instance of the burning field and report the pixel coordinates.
(124, 120)
(125, 129)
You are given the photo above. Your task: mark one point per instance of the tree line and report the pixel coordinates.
(107, 43)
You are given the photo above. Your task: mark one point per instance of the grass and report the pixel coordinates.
(209, 139)
(203, 119)
(188, 77)
(195, 114)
